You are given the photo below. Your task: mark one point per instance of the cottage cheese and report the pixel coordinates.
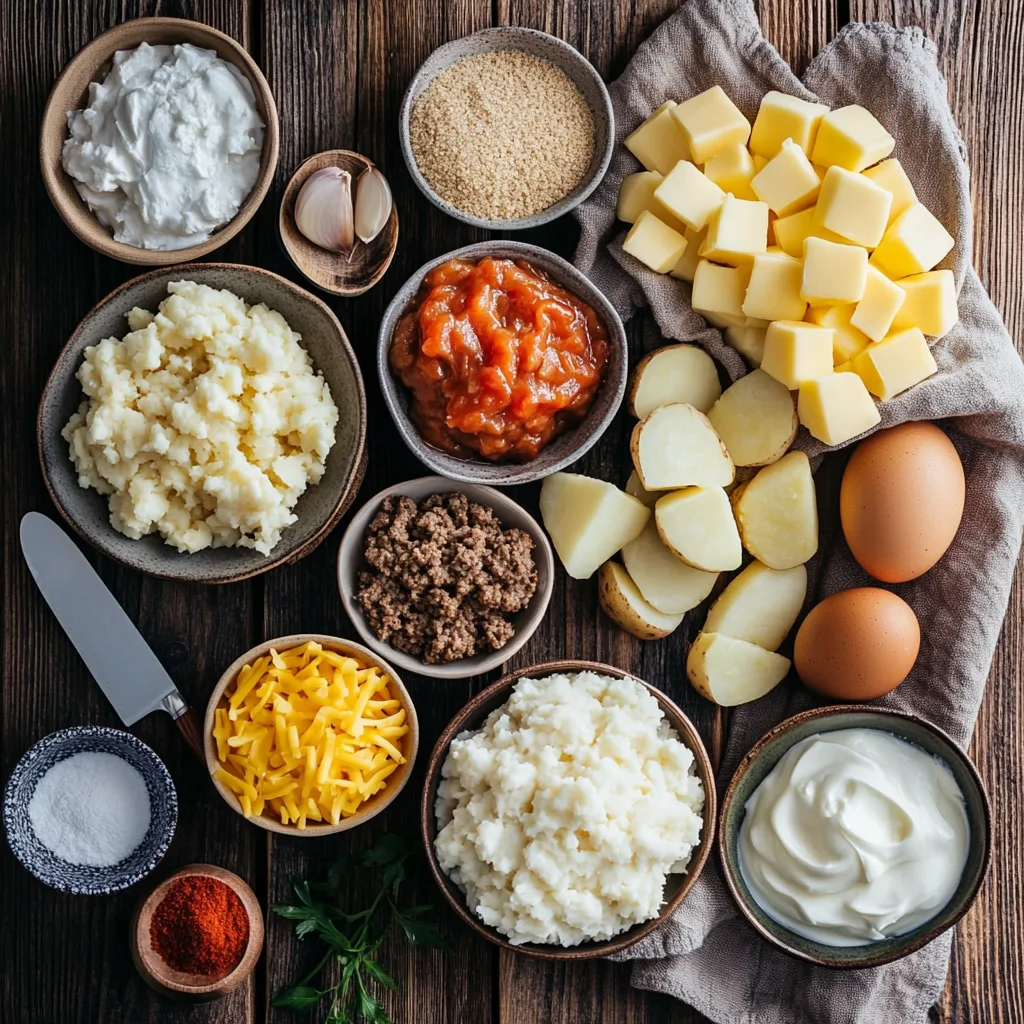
(204, 424)
(562, 817)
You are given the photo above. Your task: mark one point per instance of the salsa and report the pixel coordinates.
(498, 359)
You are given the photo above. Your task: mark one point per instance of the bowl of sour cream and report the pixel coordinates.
(852, 836)
(159, 141)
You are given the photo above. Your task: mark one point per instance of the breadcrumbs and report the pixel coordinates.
(502, 135)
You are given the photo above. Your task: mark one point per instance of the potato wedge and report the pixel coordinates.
(748, 341)
(676, 446)
(623, 603)
(760, 605)
(665, 581)
(638, 491)
(588, 520)
(756, 419)
(777, 513)
(674, 373)
(697, 525)
(730, 671)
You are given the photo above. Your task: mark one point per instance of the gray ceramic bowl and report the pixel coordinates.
(577, 69)
(319, 509)
(350, 561)
(763, 757)
(565, 449)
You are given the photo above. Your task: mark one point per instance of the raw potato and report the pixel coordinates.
(665, 581)
(674, 373)
(756, 419)
(623, 603)
(637, 489)
(676, 446)
(760, 605)
(777, 513)
(730, 671)
(697, 525)
(588, 520)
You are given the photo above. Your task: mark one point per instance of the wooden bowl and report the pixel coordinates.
(472, 717)
(332, 271)
(159, 975)
(70, 92)
(372, 807)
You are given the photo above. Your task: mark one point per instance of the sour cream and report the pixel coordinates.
(168, 147)
(853, 837)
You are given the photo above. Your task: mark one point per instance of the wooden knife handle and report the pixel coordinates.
(188, 726)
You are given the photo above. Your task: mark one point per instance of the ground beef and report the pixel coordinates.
(443, 576)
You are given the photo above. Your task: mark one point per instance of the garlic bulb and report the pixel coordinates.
(323, 209)
(373, 204)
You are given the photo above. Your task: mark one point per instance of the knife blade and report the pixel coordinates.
(119, 659)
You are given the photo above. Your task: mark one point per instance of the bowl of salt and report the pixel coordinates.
(90, 810)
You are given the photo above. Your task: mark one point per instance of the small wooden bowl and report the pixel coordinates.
(164, 979)
(70, 92)
(372, 807)
(332, 271)
(677, 886)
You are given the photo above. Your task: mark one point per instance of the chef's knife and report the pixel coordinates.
(113, 650)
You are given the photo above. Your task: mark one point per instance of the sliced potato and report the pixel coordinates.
(637, 489)
(748, 341)
(730, 671)
(665, 581)
(697, 525)
(588, 520)
(674, 373)
(777, 513)
(623, 603)
(760, 605)
(676, 446)
(756, 419)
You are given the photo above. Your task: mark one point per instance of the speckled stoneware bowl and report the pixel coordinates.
(566, 448)
(539, 44)
(82, 878)
(763, 757)
(350, 561)
(318, 510)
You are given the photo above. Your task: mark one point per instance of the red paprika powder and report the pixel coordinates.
(200, 926)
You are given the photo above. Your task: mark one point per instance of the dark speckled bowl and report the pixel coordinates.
(765, 755)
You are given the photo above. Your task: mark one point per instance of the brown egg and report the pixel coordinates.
(857, 644)
(901, 500)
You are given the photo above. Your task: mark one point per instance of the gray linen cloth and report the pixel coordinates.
(706, 954)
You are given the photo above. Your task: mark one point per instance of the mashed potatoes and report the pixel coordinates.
(563, 815)
(205, 423)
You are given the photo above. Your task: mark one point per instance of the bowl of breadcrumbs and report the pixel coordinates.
(507, 128)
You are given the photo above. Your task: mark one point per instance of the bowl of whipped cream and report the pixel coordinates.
(159, 141)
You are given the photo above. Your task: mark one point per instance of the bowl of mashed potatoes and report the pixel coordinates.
(205, 423)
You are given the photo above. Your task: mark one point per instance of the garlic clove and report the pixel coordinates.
(373, 204)
(323, 209)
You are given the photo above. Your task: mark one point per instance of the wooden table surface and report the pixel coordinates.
(338, 71)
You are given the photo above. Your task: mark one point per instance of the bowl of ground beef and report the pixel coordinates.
(445, 579)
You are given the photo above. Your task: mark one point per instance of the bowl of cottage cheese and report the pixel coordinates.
(568, 810)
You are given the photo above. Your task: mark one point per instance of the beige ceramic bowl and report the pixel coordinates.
(70, 92)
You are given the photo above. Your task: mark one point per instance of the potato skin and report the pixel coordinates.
(695, 671)
(616, 606)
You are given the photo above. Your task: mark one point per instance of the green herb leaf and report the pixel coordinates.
(388, 849)
(375, 971)
(336, 875)
(292, 912)
(369, 1007)
(422, 933)
(302, 997)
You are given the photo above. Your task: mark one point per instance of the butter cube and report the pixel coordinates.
(897, 362)
(915, 242)
(759, 162)
(774, 289)
(782, 117)
(689, 195)
(657, 143)
(718, 293)
(737, 232)
(930, 303)
(795, 352)
(731, 170)
(748, 341)
(833, 273)
(790, 232)
(851, 137)
(853, 206)
(836, 408)
(654, 243)
(687, 265)
(710, 122)
(889, 174)
(880, 304)
(636, 194)
(847, 340)
(788, 182)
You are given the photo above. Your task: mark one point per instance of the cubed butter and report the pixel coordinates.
(759, 162)
(791, 231)
(852, 206)
(851, 137)
(879, 305)
(689, 195)
(636, 194)
(718, 293)
(710, 122)
(782, 117)
(657, 143)
(912, 244)
(788, 182)
(796, 352)
(847, 341)
(889, 174)
(737, 232)
(654, 243)
(836, 408)
(774, 289)
(748, 341)
(731, 170)
(930, 303)
(833, 273)
(897, 362)
(687, 265)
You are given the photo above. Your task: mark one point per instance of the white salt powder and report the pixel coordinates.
(90, 808)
